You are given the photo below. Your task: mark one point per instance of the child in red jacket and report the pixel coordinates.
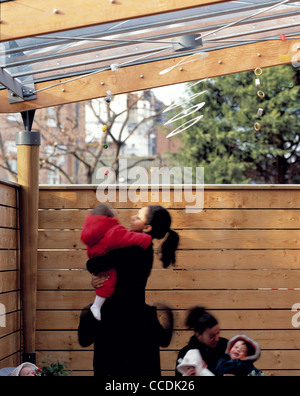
(102, 232)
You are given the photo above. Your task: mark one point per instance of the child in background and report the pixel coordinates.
(102, 232)
(242, 351)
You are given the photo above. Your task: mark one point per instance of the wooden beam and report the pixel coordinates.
(24, 18)
(28, 177)
(233, 60)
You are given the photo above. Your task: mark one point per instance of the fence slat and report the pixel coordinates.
(187, 259)
(182, 280)
(192, 239)
(222, 198)
(220, 218)
(239, 320)
(180, 299)
(68, 339)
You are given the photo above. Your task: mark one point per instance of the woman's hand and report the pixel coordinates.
(98, 280)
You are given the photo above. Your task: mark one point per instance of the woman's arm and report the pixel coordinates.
(165, 330)
(88, 327)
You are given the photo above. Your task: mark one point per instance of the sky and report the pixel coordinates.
(169, 94)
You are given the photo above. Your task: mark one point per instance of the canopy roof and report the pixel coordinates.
(70, 51)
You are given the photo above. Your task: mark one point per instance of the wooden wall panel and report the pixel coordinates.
(10, 305)
(239, 257)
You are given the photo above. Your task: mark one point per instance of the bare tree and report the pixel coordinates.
(65, 150)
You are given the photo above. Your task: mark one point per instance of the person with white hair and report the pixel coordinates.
(23, 370)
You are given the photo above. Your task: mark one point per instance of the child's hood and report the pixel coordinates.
(256, 348)
(95, 227)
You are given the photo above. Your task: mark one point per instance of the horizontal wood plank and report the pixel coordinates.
(208, 219)
(8, 238)
(9, 260)
(12, 360)
(87, 87)
(9, 345)
(181, 280)
(180, 299)
(9, 281)
(8, 195)
(11, 300)
(12, 322)
(8, 217)
(239, 320)
(213, 199)
(63, 339)
(190, 239)
(186, 259)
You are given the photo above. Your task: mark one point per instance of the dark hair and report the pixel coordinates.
(199, 320)
(160, 220)
(103, 210)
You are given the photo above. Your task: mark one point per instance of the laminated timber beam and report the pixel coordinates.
(26, 18)
(146, 76)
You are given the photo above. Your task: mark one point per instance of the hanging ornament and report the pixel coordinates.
(261, 94)
(258, 72)
(106, 172)
(282, 37)
(115, 67)
(260, 112)
(104, 128)
(109, 96)
(105, 146)
(257, 126)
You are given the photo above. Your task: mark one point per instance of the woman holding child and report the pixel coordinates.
(208, 354)
(127, 339)
(206, 338)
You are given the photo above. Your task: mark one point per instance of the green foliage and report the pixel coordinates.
(53, 369)
(256, 374)
(225, 142)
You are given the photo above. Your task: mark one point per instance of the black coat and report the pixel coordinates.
(127, 339)
(211, 356)
(237, 367)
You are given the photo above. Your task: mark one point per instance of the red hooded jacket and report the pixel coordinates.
(102, 234)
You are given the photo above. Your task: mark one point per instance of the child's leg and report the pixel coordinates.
(106, 290)
(96, 307)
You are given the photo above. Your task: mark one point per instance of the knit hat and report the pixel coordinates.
(193, 358)
(254, 352)
(16, 371)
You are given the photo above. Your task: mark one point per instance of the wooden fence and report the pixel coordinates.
(239, 257)
(10, 314)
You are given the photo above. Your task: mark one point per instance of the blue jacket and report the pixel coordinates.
(236, 367)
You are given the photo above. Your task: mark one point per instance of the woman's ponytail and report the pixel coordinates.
(168, 249)
(160, 221)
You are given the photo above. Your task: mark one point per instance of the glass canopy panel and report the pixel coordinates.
(135, 41)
